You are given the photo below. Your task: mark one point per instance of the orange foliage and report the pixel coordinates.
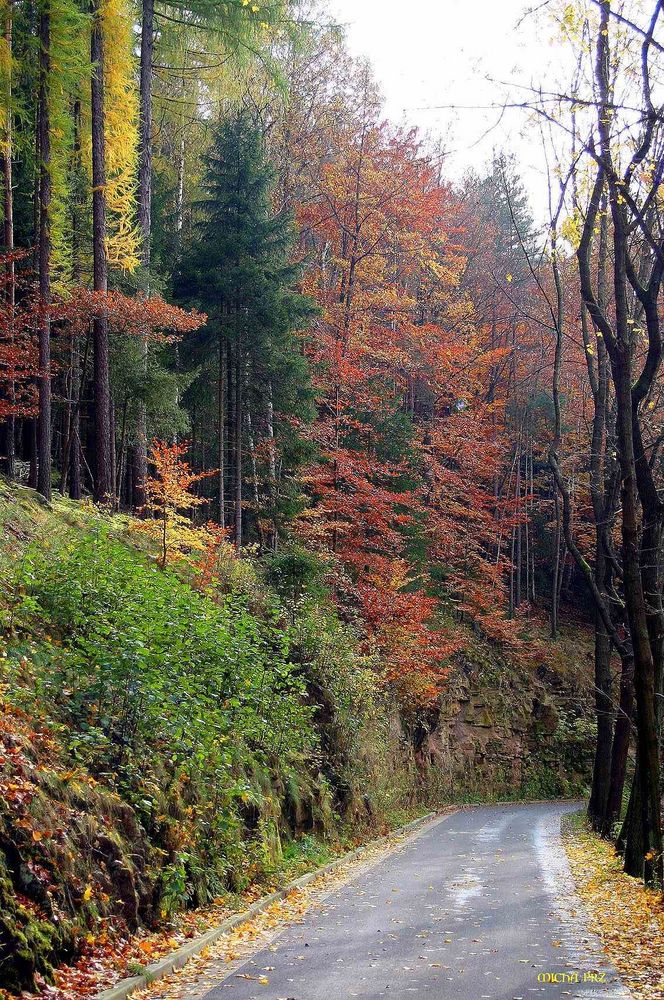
(409, 444)
(136, 315)
(170, 501)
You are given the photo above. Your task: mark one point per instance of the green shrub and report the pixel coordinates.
(180, 703)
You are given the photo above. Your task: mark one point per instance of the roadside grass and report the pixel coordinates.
(627, 917)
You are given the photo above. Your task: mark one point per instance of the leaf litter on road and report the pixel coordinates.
(225, 957)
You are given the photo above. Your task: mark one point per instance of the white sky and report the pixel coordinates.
(440, 52)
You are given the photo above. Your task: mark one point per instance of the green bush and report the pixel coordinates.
(180, 703)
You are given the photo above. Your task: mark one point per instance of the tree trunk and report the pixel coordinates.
(599, 792)
(272, 460)
(71, 461)
(644, 667)
(230, 433)
(620, 748)
(10, 426)
(519, 535)
(33, 448)
(140, 456)
(72, 450)
(556, 567)
(221, 431)
(113, 453)
(631, 839)
(239, 379)
(44, 159)
(254, 473)
(641, 525)
(122, 451)
(103, 479)
(75, 431)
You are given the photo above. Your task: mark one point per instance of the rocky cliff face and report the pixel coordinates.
(512, 731)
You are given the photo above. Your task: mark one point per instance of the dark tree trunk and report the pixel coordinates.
(140, 456)
(10, 426)
(556, 566)
(631, 840)
(519, 527)
(644, 666)
(620, 748)
(239, 379)
(604, 712)
(103, 480)
(71, 461)
(145, 133)
(113, 449)
(641, 513)
(230, 425)
(221, 431)
(44, 159)
(33, 448)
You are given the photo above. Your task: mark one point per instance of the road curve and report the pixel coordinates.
(479, 906)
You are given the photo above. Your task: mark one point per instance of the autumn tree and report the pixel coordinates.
(171, 500)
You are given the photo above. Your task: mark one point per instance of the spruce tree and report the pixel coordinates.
(239, 270)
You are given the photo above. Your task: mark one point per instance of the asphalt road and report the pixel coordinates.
(479, 906)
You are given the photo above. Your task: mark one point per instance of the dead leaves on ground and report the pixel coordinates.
(627, 917)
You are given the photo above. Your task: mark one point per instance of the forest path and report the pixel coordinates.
(476, 907)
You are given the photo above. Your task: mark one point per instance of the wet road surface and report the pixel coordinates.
(478, 906)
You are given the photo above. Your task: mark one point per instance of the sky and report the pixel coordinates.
(435, 53)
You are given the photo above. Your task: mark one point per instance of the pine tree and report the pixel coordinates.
(239, 271)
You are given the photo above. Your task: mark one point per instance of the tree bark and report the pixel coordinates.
(103, 479)
(32, 434)
(637, 485)
(631, 840)
(239, 379)
(599, 791)
(10, 427)
(140, 451)
(71, 461)
(221, 430)
(556, 566)
(272, 466)
(620, 748)
(44, 159)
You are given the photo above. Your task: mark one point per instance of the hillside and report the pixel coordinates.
(169, 740)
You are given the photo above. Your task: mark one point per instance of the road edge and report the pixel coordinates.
(165, 966)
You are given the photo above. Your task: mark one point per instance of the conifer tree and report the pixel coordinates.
(239, 271)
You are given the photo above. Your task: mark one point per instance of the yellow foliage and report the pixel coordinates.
(70, 72)
(170, 501)
(121, 113)
(628, 918)
(121, 124)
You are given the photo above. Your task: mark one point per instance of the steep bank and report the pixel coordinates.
(168, 741)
